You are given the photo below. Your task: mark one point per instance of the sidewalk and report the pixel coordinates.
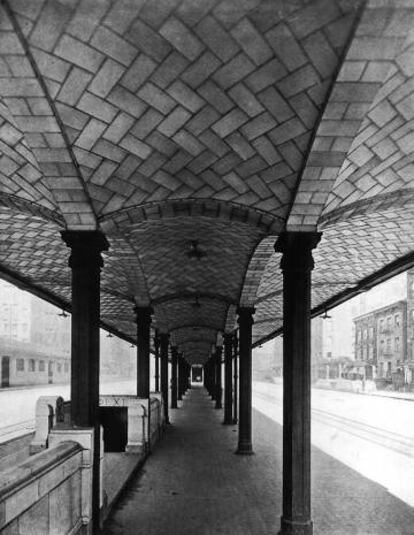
(193, 484)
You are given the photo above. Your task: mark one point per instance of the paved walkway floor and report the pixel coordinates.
(193, 484)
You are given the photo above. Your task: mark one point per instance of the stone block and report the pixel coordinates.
(97, 107)
(200, 70)
(245, 99)
(86, 18)
(239, 144)
(233, 71)
(156, 97)
(90, 134)
(185, 96)
(202, 120)
(119, 127)
(298, 81)
(126, 101)
(138, 72)
(313, 17)
(35, 521)
(217, 39)
(230, 122)
(105, 79)
(79, 53)
(113, 46)
(266, 75)
(188, 142)
(169, 70)
(382, 113)
(258, 126)
(50, 25)
(214, 95)
(148, 41)
(266, 149)
(146, 123)
(322, 55)
(181, 38)
(135, 146)
(214, 143)
(252, 42)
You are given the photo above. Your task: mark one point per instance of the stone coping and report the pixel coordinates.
(16, 477)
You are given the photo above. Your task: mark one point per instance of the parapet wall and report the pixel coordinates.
(44, 493)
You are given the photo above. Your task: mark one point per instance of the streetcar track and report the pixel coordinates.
(375, 435)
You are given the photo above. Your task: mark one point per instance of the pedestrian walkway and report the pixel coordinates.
(193, 484)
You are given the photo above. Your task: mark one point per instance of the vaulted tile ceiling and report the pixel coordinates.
(166, 123)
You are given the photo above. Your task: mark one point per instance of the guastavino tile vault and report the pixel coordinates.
(175, 170)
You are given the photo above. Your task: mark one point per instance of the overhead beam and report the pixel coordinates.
(387, 272)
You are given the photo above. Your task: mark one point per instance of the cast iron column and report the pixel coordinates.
(143, 351)
(86, 263)
(245, 374)
(157, 361)
(296, 264)
(180, 389)
(213, 391)
(174, 362)
(164, 340)
(219, 390)
(228, 387)
(235, 378)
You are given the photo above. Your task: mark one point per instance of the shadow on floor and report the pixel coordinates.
(193, 484)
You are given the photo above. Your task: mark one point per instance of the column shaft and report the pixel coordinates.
(235, 379)
(157, 361)
(143, 351)
(86, 262)
(245, 374)
(228, 387)
(164, 373)
(296, 264)
(174, 363)
(219, 389)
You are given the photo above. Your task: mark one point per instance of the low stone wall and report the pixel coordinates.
(43, 494)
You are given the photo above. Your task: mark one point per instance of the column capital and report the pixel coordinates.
(245, 315)
(86, 246)
(297, 249)
(143, 314)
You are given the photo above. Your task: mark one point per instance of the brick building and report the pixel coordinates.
(384, 337)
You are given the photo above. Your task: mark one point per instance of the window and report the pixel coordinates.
(42, 366)
(382, 346)
(20, 365)
(365, 334)
(32, 365)
(389, 321)
(397, 344)
(371, 332)
(59, 368)
(397, 320)
(381, 324)
(388, 344)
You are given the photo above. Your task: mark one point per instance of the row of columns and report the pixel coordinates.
(86, 263)
(296, 264)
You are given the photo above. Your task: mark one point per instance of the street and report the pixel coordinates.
(371, 434)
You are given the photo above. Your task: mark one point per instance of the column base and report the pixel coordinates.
(228, 422)
(235, 421)
(218, 406)
(293, 527)
(244, 448)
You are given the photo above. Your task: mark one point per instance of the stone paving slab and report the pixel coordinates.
(193, 484)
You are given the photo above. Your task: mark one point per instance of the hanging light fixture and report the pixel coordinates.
(326, 316)
(63, 314)
(109, 335)
(195, 251)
